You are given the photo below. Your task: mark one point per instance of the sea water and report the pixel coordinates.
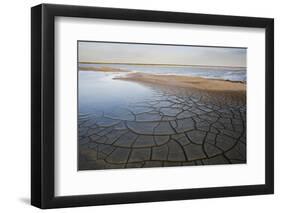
(210, 72)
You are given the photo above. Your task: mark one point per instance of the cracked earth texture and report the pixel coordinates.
(174, 127)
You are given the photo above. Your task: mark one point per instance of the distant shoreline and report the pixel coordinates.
(103, 69)
(183, 65)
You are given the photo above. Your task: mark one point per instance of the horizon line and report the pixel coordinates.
(198, 65)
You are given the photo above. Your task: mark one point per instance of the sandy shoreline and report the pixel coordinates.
(187, 82)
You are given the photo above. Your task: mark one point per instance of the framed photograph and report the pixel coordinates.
(140, 106)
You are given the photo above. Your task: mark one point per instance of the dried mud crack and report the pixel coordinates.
(174, 128)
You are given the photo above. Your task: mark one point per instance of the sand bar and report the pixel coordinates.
(186, 82)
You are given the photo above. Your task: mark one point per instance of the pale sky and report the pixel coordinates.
(102, 52)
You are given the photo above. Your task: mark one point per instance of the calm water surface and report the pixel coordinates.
(98, 91)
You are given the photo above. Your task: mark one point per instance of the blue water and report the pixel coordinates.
(99, 92)
(211, 72)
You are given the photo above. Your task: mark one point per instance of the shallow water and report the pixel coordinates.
(98, 91)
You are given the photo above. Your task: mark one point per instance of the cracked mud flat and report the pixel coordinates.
(158, 126)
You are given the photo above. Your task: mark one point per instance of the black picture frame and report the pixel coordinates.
(43, 105)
